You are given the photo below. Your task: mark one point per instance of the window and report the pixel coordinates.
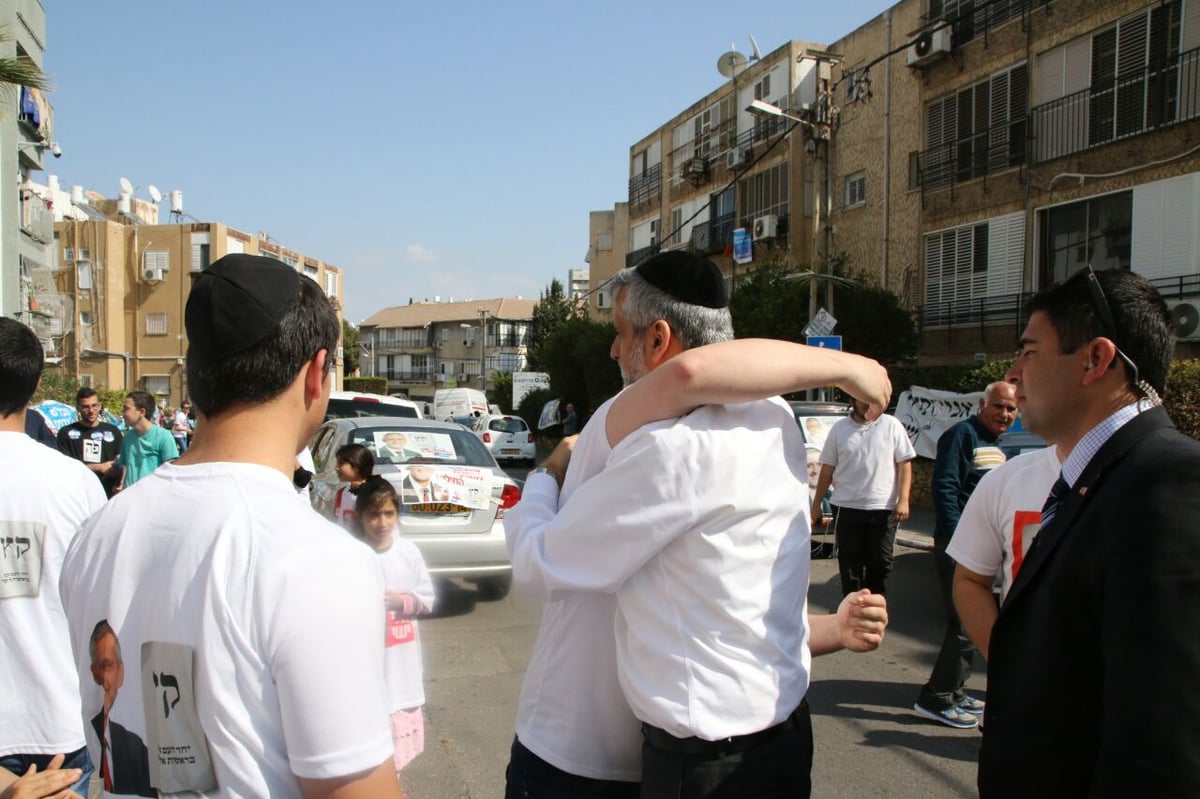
(420, 363)
(156, 259)
(856, 190)
(292, 261)
(85, 318)
(676, 226)
(84, 270)
(392, 337)
(157, 384)
(200, 257)
(331, 283)
(975, 270)
(977, 130)
(312, 270)
(764, 193)
(604, 242)
(1097, 231)
(156, 324)
(972, 18)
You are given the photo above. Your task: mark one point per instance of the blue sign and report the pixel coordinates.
(742, 250)
(828, 342)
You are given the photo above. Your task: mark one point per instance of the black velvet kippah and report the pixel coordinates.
(236, 303)
(687, 277)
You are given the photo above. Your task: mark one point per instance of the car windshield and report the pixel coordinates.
(508, 424)
(398, 444)
(361, 407)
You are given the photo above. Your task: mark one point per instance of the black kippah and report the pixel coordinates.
(236, 303)
(687, 277)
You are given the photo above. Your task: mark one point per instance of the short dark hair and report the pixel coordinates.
(263, 371)
(84, 393)
(1143, 323)
(21, 360)
(357, 456)
(144, 401)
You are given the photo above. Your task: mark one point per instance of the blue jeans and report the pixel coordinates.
(530, 777)
(80, 759)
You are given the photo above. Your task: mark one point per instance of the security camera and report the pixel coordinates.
(55, 150)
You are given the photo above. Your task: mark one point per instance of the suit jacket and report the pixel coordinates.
(129, 758)
(1103, 613)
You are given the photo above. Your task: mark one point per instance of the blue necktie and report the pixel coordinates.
(1057, 493)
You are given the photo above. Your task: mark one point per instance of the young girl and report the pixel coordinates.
(408, 592)
(355, 464)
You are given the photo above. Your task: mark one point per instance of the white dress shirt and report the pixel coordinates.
(700, 528)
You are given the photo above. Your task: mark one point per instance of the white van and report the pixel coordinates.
(353, 404)
(451, 402)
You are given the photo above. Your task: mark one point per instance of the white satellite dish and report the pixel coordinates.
(155, 194)
(126, 186)
(754, 47)
(731, 63)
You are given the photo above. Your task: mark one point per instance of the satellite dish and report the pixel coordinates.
(126, 186)
(155, 194)
(731, 63)
(754, 47)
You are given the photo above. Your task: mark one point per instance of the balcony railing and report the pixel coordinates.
(1137, 102)
(981, 310)
(1177, 287)
(637, 256)
(644, 186)
(976, 156)
(36, 217)
(417, 376)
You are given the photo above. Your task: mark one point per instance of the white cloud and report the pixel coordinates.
(419, 253)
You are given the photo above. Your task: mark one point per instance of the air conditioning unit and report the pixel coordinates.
(153, 274)
(737, 157)
(461, 376)
(765, 227)
(440, 377)
(930, 46)
(1185, 319)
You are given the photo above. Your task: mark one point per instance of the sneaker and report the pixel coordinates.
(971, 705)
(950, 716)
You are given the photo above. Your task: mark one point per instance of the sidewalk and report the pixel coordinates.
(917, 531)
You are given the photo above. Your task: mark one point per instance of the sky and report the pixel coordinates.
(429, 149)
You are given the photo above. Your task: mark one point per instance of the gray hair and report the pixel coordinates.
(644, 304)
(102, 629)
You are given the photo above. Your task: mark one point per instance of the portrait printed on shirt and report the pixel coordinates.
(124, 763)
(21, 558)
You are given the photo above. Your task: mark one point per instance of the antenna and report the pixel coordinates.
(754, 46)
(729, 64)
(126, 186)
(155, 194)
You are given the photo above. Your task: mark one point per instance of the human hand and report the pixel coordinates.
(868, 382)
(53, 783)
(560, 458)
(862, 618)
(900, 512)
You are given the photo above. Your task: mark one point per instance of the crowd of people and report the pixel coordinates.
(669, 540)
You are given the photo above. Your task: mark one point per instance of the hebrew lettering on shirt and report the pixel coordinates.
(179, 756)
(21, 545)
(167, 681)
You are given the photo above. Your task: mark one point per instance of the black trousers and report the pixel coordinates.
(766, 765)
(953, 666)
(865, 543)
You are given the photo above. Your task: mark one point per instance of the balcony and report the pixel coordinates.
(398, 376)
(977, 156)
(37, 219)
(646, 185)
(979, 310)
(1137, 102)
(637, 256)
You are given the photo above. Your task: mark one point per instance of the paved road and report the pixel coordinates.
(868, 740)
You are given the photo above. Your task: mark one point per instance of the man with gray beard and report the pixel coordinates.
(684, 536)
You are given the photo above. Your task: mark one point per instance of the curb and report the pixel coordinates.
(912, 541)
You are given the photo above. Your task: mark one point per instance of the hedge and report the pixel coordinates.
(368, 385)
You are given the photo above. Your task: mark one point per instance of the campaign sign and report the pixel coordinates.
(743, 250)
(827, 342)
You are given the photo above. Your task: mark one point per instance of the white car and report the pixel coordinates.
(356, 404)
(507, 437)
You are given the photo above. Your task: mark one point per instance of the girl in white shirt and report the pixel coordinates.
(355, 465)
(408, 592)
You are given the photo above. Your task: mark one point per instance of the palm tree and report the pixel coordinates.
(21, 71)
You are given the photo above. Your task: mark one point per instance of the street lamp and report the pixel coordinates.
(483, 314)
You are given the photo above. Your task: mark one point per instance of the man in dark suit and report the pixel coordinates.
(1107, 597)
(124, 760)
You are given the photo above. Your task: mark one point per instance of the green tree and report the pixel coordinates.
(500, 391)
(549, 315)
(576, 356)
(770, 302)
(349, 348)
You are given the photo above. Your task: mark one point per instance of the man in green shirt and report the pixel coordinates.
(146, 445)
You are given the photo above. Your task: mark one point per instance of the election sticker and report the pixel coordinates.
(21, 558)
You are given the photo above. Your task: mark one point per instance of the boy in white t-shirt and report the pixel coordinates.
(408, 592)
(241, 655)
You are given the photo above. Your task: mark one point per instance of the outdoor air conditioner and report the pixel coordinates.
(765, 226)
(1185, 319)
(153, 274)
(737, 157)
(930, 46)
(461, 376)
(695, 168)
(440, 377)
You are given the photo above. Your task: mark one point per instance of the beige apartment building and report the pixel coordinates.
(424, 346)
(962, 153)
(115, 290)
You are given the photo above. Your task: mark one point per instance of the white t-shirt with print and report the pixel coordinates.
(404, 571)
(1003, 516)
(45, 498)
(249, 630)
(864, 458)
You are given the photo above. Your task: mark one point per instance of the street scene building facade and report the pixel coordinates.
(425, 346)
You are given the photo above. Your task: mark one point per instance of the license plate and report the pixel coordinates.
(437, 508)
(510, 452)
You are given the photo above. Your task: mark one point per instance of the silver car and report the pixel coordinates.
(455, 517)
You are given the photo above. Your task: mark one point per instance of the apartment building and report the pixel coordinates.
(1024, 140)
(608, 243)
(113, 291)
(424, 346)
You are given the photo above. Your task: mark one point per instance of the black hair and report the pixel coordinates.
(373, 493)
(84, 393)
(263, 371)
(359, 457)
(143, 400)
(21, 361)
(1143, 323)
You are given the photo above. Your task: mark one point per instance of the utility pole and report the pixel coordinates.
(482, 353)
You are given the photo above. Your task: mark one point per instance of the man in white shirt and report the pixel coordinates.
(251, 630)
(46, 496)
(689, 533)
(872, 459)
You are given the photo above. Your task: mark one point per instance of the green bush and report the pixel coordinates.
(368, 385)
(1182, 399)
